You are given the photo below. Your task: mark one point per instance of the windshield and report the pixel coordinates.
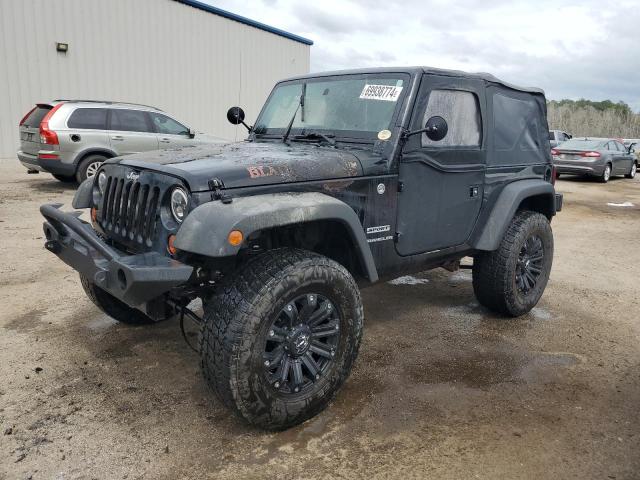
(348, 106)
(576, 144)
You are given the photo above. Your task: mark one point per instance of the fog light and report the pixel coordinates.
(235, 237)
(170, 247)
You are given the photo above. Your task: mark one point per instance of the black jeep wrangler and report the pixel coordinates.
(346, 178)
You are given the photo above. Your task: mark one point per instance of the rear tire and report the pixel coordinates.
(64, 178)
(606, 174)
(88, 167)
(511, 279)
(632, 172)
(113, 307)
(264, 351)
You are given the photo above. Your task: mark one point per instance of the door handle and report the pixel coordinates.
(117, 137)
(165, 140)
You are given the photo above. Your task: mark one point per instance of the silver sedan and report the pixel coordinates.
(595, 158)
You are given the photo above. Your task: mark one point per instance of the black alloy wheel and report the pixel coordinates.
(530, 264)
(301, 343)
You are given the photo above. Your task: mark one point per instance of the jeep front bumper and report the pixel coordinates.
(133, 279)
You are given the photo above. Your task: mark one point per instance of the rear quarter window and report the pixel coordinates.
(518, 130)
(89, 118)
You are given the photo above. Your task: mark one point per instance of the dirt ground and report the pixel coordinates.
(442, 388)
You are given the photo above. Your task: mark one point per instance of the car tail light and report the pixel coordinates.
(590, 154)
(49, 136)
(554, 152)
(24, 119)
(48, 156)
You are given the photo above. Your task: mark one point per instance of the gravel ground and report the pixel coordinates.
(442, 388)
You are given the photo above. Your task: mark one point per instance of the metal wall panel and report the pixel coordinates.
(193, 64)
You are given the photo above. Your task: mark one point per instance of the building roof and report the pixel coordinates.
(244, 20)
(487, 77)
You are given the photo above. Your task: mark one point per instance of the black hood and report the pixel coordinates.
(247, 163)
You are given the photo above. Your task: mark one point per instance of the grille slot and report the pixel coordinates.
(129, 210)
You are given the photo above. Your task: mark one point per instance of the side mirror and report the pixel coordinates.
(192, 133)
(436, 128)
(235, 115)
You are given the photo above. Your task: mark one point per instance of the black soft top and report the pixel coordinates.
(487, 77)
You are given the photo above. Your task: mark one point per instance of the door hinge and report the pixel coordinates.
(473, 191)
(396, 237)
(400, 186)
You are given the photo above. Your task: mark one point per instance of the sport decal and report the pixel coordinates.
(378, 229)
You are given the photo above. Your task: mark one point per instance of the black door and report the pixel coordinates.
(442, 180)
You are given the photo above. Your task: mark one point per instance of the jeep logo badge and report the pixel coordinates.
(133, 176)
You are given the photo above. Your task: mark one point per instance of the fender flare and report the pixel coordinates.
(505, 207)
(83, 196)
(206, 228)
(94, 151)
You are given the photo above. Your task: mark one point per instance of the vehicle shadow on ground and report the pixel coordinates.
(44, 183)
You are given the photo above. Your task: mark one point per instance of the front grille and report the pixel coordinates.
(129, 209)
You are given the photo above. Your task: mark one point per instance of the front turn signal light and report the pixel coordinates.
(94, 214)
(235, 237)
(170, 247)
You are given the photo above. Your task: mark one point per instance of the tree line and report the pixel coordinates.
(586, 118)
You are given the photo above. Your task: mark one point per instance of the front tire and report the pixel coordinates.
(281, 338)
(632, 172)
(113, 307)
(511, 279)
(88, 167)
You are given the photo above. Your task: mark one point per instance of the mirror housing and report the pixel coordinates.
(235, 115)
(436, 129)
(192, 133)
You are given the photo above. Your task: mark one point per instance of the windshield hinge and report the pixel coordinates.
(216, 186)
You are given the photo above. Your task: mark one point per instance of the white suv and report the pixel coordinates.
(71, 138)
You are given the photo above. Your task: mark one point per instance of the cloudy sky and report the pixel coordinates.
(571, 49)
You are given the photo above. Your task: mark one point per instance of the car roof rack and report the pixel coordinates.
(107, 102)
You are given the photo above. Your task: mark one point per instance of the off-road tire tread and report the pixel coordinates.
(492, 282)
(244, 297)
(113, 307)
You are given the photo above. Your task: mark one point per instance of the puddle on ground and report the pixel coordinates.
(484, 369)
(26, 322)
(354, 397)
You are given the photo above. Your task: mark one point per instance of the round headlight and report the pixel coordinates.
(179, 203)
(102, 182)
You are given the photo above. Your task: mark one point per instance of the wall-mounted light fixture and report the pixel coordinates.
(62, 47)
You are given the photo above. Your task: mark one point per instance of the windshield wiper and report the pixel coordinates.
(300, 104)
(317, 136)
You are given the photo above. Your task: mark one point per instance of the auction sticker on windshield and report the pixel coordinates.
(390, 93)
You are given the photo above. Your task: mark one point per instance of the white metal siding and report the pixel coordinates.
(191, 63)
